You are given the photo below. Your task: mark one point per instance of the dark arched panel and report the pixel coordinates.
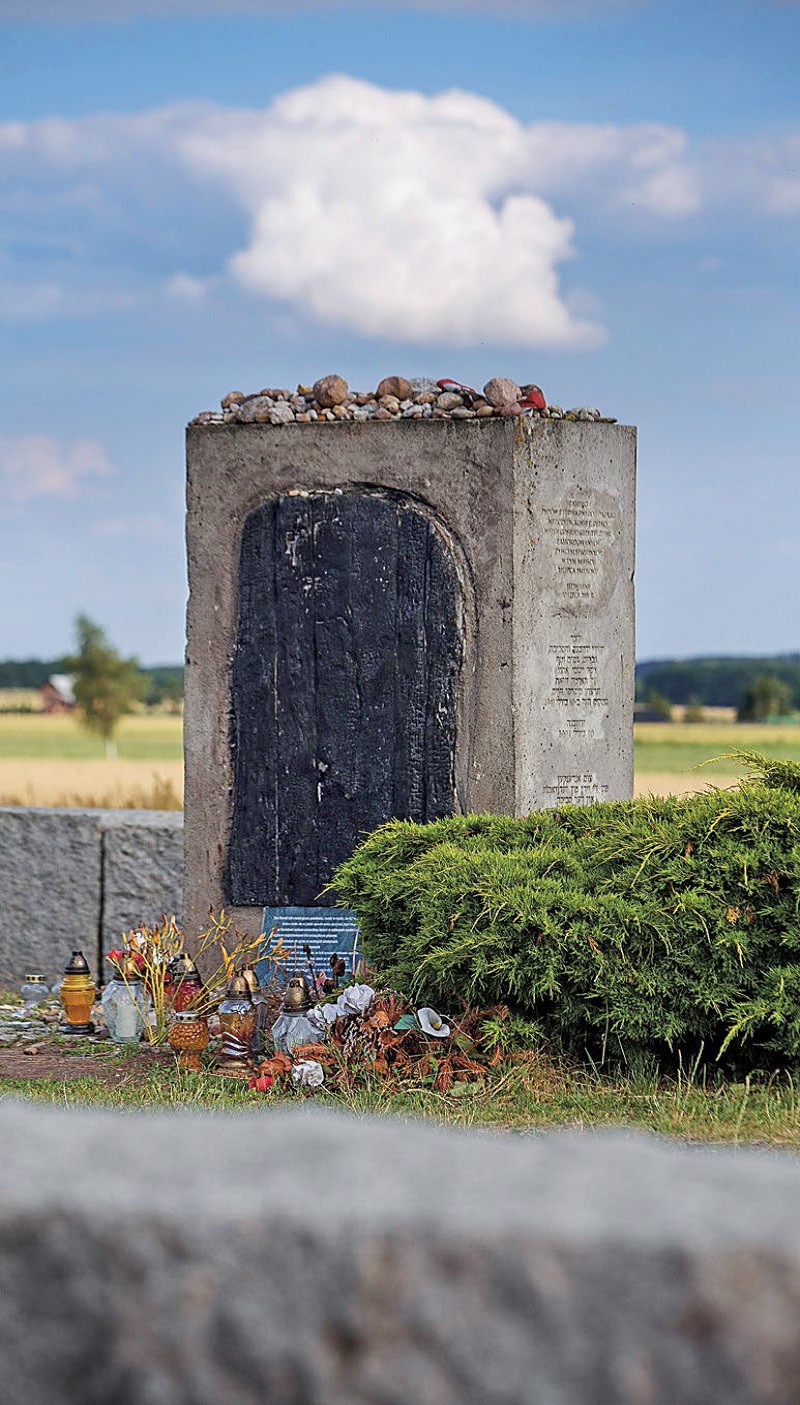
(343, 686)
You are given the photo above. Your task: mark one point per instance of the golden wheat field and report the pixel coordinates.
(53, 761)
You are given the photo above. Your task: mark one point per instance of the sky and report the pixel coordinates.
(198, 196)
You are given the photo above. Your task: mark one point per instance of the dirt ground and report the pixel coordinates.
(54, 1065)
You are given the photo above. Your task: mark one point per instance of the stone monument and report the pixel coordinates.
(404, 618)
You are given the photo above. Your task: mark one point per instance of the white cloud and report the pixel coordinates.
(184, 287)
(37, 466)
(391, 214)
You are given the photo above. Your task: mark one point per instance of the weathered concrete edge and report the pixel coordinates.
(457, 1267)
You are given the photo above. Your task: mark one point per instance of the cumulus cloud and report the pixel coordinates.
(394, 214)
(37, 466)
(391, 214)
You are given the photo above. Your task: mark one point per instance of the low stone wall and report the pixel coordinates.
(77, 878)
(308, 1257)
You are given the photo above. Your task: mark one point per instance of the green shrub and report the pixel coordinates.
(666, 926)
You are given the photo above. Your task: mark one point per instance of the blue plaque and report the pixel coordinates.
(326, 931)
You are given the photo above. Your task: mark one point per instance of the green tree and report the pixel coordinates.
(658, 703)
(105, 684)
(767, 696)
(693, 711)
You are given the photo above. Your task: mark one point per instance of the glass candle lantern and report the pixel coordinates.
(237, 1017)
(77, 994)
(35, 989)
(185, 983)
(188, 1036)
(126, 1004)
(293, 1026)
(262, 1010)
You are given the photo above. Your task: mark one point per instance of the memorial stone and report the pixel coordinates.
(403, 618)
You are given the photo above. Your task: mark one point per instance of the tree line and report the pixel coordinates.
(749, 684)
(162, 682)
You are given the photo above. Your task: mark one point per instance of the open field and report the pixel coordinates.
(52, 761)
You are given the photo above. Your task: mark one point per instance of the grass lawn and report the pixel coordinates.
(53, 761)
(536, 1092)
(675, 747)
(140, 737)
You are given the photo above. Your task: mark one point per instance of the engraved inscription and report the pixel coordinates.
(578, 535)
(576, 690)
(577, 788)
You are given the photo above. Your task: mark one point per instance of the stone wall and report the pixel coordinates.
(77, 878)
(309, 1258)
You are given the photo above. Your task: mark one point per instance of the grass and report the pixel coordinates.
(140, 737)
(533, 1094)
(53, 761)
(673, 747)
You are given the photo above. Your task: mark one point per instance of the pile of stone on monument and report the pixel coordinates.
(330, 400)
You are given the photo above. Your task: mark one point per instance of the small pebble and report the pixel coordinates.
(500, 391)
(394, 385)
(395, 398)
(254, 407)
(330, 391)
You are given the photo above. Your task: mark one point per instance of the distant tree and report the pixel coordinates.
(165, 687)
(766, 696)
(105, 684)
(659, 704)
(693, 711)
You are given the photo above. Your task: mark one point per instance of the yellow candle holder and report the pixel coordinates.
(78, 994)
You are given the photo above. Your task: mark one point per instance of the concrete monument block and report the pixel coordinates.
(312, 1257)
(50, 881)
(142, 870)
(397, 619)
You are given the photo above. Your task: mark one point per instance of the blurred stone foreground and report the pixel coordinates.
(309, 1258)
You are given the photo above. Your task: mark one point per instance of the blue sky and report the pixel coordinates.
(199, 195)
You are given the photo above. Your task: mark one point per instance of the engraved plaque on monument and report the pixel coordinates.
(575, 660)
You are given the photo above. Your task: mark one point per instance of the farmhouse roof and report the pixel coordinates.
(63, 684)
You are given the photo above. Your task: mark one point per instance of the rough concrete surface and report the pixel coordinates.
(574, 533)
(142, 869)
(306, 1258)
(78, 878)
(49, 888)
(517, 502)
